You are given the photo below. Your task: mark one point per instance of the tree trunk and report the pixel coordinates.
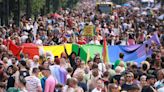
(28, 8)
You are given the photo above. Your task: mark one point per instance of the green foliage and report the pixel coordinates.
(64, 3)
(71, 3)
(119, 1)
(37, 5)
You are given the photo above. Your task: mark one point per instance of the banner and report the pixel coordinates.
(93, 49)
(134, 53)
(58, 49)
(88, 30)
(137, 53)
(131, 53)
(13, 48)
(30, 49)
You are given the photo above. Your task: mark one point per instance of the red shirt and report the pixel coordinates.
(81, 42)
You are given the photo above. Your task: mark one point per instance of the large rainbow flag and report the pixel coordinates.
(132, 53)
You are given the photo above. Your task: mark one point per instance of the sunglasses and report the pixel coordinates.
(128, 76)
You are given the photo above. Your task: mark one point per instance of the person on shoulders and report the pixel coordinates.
(119, 61)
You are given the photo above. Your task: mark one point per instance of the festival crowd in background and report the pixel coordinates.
(125, 26)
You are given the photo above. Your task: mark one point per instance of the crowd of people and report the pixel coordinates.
(68, 73)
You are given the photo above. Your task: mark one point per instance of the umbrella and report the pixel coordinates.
(55, 15)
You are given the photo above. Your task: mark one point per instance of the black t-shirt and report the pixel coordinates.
(11, 82)
(152, 71)
(117, 78)
(126, 87)
(147, 89)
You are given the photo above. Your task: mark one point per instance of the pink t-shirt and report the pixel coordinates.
(131, 42)
(50, 84)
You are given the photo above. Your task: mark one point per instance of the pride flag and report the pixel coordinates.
(105, 51)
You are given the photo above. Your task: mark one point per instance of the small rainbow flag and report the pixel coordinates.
(105, 51)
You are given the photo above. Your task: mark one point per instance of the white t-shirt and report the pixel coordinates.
(68, 89)
(94, 42)
(158, 86)
(34, 65)
(102, 67)
(23, 38)
(32, 83)
(68, 76)
(38, 42)
(96, 90)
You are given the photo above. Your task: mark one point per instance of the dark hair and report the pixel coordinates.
(41, 68)
(35, 70)
(106, 74)
(11, 66)
(149, 76)
(144, 66)
(69, 69)
(121, 55)
(162, 58)
(94, 66)
(23, 63)
(136, 75)
(68, 81)
(73, 53)
(148, 59)
(59, 87)
(95, 73)
(134, 66)
(153, 55)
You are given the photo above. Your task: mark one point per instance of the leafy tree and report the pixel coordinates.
(119, 1)
(37, 5)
